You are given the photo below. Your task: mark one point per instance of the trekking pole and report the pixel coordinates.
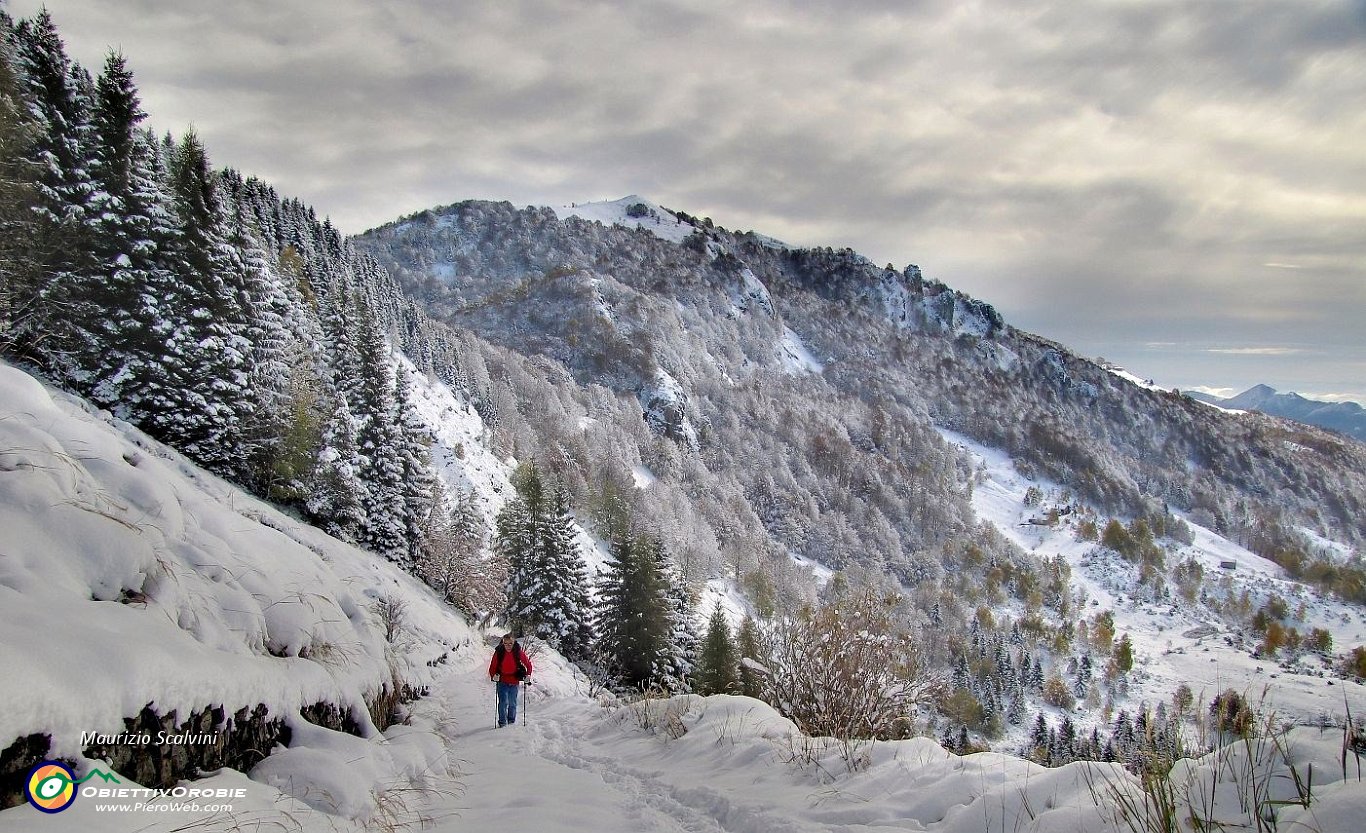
(495, 704)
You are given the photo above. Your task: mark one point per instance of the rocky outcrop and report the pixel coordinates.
(159, 751)
(15, 763)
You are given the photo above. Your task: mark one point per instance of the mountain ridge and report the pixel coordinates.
(614, 304)
(1348, 418)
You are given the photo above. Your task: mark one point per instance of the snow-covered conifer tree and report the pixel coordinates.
(336, 498)
(118, 310)
(59, 96)
(681, 643)
(18, 188)
(547, 580)
(567, 606)
(632, 622)
(418, 489)
(196, 394)
(378, 442)
(518, 543)
(718, 666)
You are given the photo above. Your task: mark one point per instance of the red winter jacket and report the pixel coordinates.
(508, 672)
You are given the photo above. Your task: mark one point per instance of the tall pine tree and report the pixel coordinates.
(59, 97)
(718, 667)
(418, 488)
(197, 397)
(633, 615)
(19, 133)
(336, 499)
(379, 444)
(681, 644)
(119, 308)
(643, 634)
(547, 579)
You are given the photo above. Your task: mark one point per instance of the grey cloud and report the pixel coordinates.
(1098, 171)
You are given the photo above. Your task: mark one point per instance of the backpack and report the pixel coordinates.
(516, 652)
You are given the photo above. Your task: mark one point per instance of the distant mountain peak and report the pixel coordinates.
(1344, 417)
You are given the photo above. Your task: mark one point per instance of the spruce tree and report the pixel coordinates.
(547, 579)
(59, 96)
(519, 536)
(282, 419)
(633, 617)
(18, 190)
(718, 668)
(419, 484)
(751, 679)
(196, 392)
(341, 329)
(378, 443)
(336, 499)
(567, 607)
(120, 309)
(1038, 739)
(681, 643)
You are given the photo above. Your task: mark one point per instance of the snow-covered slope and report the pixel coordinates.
(460, 444)
(632, 212)
(1178, 641)
(130, 578)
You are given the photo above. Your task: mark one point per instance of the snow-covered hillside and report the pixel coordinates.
(1178, 641)
(129, 577)
(460, 445)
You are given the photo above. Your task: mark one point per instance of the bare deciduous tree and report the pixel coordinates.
(452, 558)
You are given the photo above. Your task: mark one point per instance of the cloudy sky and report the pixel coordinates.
(1176, 186)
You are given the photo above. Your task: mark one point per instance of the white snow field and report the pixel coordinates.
(130, 577)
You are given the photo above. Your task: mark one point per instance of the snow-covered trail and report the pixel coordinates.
(527, 776)
(712, 764)
(548, 772)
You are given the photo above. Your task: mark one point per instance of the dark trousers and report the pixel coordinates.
(507, 703)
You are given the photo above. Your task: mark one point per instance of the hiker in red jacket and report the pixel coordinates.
(509, 666)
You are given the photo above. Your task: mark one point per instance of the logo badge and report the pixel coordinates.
(51, 787)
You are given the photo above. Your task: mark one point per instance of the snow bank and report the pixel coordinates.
(130, 578)
(737, 764)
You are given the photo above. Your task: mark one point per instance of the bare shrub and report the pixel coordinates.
(847, 669)
(393, 616)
